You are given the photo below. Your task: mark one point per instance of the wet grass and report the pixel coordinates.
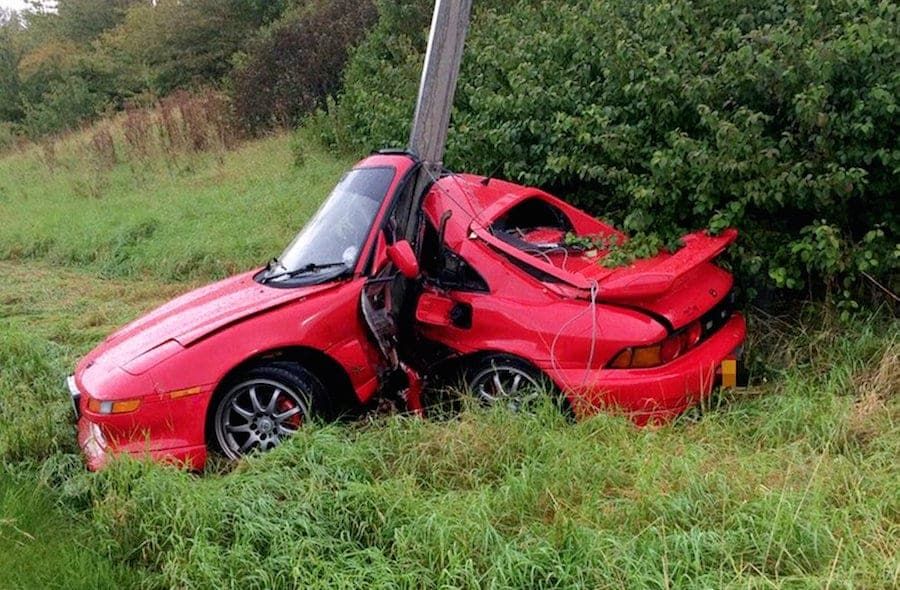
(44, 544)
(789, 484)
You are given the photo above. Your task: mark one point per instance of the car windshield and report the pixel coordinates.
(337, 232)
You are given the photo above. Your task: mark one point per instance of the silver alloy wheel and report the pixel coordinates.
(502, 382)
(257, 415)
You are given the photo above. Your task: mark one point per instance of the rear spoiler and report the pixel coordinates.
(654, 277)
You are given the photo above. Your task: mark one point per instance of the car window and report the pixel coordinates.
(337, 232)
(445, 268)
(533, 225)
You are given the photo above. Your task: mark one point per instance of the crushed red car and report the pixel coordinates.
(493, 289)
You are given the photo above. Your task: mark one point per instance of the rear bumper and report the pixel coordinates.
(658, 394)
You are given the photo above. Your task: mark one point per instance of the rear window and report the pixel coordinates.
(533, 224)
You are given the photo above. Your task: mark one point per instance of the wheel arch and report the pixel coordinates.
(325, 368)
(453, 366)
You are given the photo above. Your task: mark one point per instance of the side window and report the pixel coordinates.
(391, 229)
(445, 268)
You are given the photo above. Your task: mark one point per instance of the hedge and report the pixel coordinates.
(779, 118)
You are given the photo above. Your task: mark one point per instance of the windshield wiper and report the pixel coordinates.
(307, 268)
(273, 263)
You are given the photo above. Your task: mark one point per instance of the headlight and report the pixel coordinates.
(147, 360)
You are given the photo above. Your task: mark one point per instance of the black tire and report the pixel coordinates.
(503, 378)
(264, 405)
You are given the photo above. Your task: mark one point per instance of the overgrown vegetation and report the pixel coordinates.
(665, 116)
(779, 118)
(296, 65)
(62, 67)
(158, 192)
(786, 485)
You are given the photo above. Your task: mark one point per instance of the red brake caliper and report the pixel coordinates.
(284, 405)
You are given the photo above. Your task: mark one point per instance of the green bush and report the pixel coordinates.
(292, 67)
(64, 105)
(779, 118)
(8, 136)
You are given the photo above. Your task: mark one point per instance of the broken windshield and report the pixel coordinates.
(337, 232)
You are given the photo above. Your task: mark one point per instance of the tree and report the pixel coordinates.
(10, 54)
(82, 21)
(292, 67)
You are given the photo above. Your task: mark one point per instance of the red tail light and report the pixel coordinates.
(670, 348)
(691, 335)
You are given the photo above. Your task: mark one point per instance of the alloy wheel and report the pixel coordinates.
(501, 383)
(257, 415)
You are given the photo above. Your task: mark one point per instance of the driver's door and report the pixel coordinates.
(387, 296)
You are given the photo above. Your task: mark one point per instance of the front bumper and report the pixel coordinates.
(660, 393)
(74, 395)
(98, 451)
(167, 431)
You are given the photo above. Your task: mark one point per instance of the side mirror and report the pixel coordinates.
(403, 257)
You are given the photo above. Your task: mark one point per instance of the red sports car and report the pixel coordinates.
(494, 289)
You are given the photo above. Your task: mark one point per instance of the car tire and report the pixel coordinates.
(261, 407)
(503, 378)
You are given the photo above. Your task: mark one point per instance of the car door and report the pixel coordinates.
(387, 296)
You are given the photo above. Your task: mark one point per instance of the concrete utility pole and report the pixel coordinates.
(431, 121)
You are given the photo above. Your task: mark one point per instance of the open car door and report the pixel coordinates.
(387, 298)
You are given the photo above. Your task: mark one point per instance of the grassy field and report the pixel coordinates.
(205, 215)
(790, 484)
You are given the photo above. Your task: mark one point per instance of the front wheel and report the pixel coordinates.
(264, 406)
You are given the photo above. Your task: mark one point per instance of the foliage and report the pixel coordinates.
(174, 44)
(82, 21)
(380, 84)
(63, 105)
(778, 118)
(297, 63)
(10, 54)
(114, 52)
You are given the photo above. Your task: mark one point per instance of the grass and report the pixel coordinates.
(789, 484)
(45, 545)
(210, 216)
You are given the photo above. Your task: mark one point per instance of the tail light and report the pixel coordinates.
(676, 344)
(691, 335)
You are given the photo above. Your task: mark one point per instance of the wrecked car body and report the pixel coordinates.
(490, 289)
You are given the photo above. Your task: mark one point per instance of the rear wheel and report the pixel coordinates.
(264, 406)
(502, 379)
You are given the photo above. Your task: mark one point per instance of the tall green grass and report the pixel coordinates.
(45, 545)
(789, 484)
(786, 489)
(210, 215)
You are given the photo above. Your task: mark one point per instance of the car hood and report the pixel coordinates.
(193, 316)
